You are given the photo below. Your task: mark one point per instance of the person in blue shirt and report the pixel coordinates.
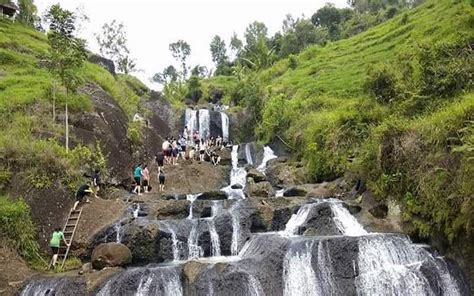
(137, 175)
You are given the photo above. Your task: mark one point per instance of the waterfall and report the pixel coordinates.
(194, 250)
(248, 154)
(204, 124)
(237, 177)
(254, 286)
(279, 193)
(235, 229)
(297, 220)
(216, 207)
(215, 241)
(391, 265)
(345, 222)
(191, 120)
(160, 280)
(136, 210)
(50, 286)
(225, 126)
(299, 276)
(174, 238)
(192, 198)
(268, 155)
(118, 232)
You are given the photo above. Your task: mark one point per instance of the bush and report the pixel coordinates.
(446, 68)
(383, 84)
(292, 62)
(16, 226)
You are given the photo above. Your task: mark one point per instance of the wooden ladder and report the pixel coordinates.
(69, 230)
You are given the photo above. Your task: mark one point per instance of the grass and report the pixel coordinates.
(417, 149)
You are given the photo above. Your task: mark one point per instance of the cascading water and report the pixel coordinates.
(160, 280)
(191, 198)
(297, 219)
(300, 279)
(136, 211)
(204, 124)
(237, 177)
(248, 154)
(391, 265)
(118, 232)
(191, 120)
(345, 222)
(194, 250)
(225, 126)
(235, 229)
(177, 245)
(215, 241)
(268, 155)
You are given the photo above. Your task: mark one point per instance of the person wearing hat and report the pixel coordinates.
(83, 191)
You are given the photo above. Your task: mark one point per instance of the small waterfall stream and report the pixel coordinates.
(268, 155)
(225, 126)
(237, 177)
(204, 124)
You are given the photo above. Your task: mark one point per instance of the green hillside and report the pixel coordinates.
(392, 106)
(31, 149)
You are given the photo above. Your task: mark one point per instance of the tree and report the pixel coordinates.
(181, 50)
(67, 53)
(218, 51)
(236, 44)
(113, 44)
(27, 13)
(254, 32)
(329, 17)
(169, 75)
(199, 71)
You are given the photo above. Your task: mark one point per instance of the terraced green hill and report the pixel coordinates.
(393, 107)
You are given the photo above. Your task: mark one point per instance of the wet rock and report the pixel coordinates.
(174, 196)
(261, 189)
(284, 174)
(320, 192)
(352, 208)
(236, 186)
(87, 267)
(294, 191)
(173, 210)
(212, 195)
(281, 216)
(320, 222)
(110, 255)
(225, 154)
(191, 270)
(257, 176)
(379, 211)
(54, 285)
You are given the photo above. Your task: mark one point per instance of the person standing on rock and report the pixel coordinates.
(82, 192)
(96, 182)
(196, 139)
(145, 178)
(182, 146)
(166, 149)
(160, 158)
(161, 179)
(55, 243)
(174, 151)
(137, 176)
(202, 150)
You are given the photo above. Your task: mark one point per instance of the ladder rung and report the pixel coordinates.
(73, 218)
(70, 225)
(68, 232)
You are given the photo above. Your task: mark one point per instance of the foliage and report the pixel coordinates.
(16, 226)
(218, 51)
(27, 14)
(180, 50)
(194, 89)
(134, 132)
(382, 84)
(113, 44)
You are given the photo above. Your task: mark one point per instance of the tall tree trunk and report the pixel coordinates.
(67, 123)
(54, 101)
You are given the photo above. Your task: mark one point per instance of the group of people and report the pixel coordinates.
(141, 179)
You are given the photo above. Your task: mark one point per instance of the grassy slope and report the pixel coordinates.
(26, 111)
(424, 160)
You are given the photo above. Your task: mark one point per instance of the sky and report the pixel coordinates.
(151, 25)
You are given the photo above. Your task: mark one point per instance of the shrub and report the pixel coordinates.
(17, 227)
(292, 62)
(382, 84)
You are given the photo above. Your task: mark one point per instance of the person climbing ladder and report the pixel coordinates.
(55, 243)
(82, 192)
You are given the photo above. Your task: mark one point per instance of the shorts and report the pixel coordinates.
(162, 180)
(175, 152)
(80, 197)
(54, 249)
(183, 149)
(166, 153)
(160, 162)
(145, 183)
(201, 152)
(138, 180)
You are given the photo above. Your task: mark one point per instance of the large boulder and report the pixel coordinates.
(320, 192)
(283, 174)
(295, 191)
(212, 195)
(262, 189)
(111, 255)
(256, 175)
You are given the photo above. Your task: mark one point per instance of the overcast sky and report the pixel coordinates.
(152, 25)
